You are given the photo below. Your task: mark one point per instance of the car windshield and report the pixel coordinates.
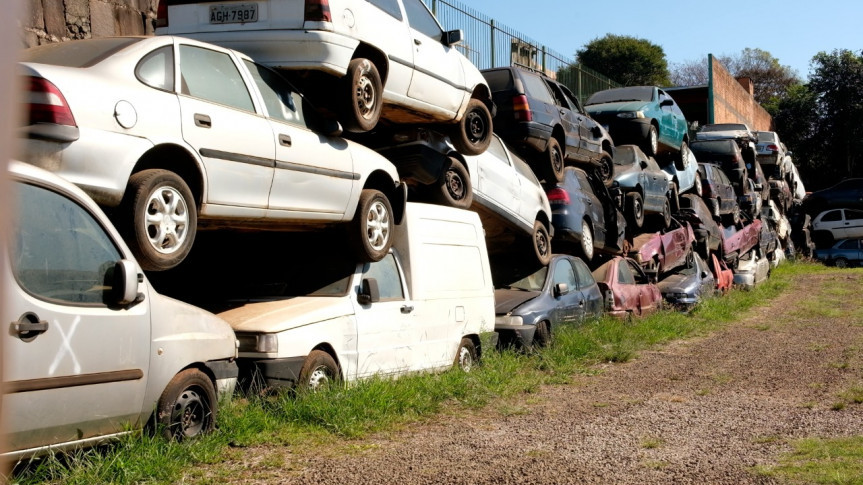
(713, 147)
(766, 136)
(724, 127)
(531, 282)
(625, 155)
(80, 53)
(633, 93)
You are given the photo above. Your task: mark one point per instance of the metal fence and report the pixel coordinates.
(489, 44)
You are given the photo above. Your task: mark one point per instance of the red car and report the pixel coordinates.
(724, 276)
(737, 241)
(662, 251)
(627, 289)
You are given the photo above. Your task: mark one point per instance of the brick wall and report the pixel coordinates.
(733, 101)
(46, 21)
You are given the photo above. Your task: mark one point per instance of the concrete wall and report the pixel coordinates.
(733, 101)
(46, 21)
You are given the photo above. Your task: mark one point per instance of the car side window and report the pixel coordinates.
(280, 99)
(422, 20)
(722, 177)
(849, 244)
(536, 88)
(386, 273)
(213, 76)
(60, 252)
(496, 148)
(389, 6)
(624, 274)
(558, 95)
(637, 274)
(832, 216)
(156, 69)
(852, 215)
(524, 170)
(582, 272)
(563, 273)
(573, 101)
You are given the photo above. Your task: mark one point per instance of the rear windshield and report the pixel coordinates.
(625, 155)
(713, 147)
(498, 79)
(724, 127)
(634, 93)
(766, 136)
(78, 53)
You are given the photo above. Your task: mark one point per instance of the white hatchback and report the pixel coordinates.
(364, 59)
(841, 223)
(169, 133)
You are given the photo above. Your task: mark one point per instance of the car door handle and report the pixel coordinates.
(285, 140)
(29, 326)
(203, 121)
(407, 308)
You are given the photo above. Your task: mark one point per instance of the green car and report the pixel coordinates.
(645, 116)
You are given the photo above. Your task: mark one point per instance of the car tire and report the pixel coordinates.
(651, 144)
(634, 210)
(159, 218)
(840, 263)
(365, 92)
(472, 134)
(187, 407)
(319, 370)
(605, 170)
(697, 187)
(586, 245)
(542, 334)
(551, 162)
(373, 226)
(466, 356)
(664, 217)
(454, 187)
(541, 243)
(680, 158)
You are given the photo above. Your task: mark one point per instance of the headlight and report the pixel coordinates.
(508, 320)
(264, 342)
(631, 114)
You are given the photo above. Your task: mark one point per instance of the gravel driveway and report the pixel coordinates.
(705, 410)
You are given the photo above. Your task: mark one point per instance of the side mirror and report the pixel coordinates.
(561, 289)
(453, 37)
(329, 127)
(124, 284)
(369, 292)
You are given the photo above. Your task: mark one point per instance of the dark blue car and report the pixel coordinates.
(843, 254)
(530, 308)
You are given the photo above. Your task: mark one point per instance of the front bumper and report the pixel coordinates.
(270, 373)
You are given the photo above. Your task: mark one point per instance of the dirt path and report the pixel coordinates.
(705, 410)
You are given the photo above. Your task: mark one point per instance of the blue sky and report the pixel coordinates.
(791, 30)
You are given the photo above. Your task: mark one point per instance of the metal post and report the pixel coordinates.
(491, 24)
(710, 99)
(434, 7)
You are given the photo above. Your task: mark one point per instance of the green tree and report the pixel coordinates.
(628, 60)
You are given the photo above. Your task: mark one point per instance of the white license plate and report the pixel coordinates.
(234, 14)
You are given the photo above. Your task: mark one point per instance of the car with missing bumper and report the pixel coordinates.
(663, 251)
(93, 352)
(689, 286)
(170, 134)
(645, 187)
(365, 61)
(627, 289)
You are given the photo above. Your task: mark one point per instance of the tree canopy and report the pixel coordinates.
(628, 60)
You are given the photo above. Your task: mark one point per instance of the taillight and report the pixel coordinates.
(773, 148)
(558, 195)
(318, 11)
(162, 14)
(521, 108)
(46, 103)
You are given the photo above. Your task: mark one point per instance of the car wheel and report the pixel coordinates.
(319, 370)
(373, 226)
(551, 162)
(606, 169)
(542, 334)
(454, 186)
(652, 142)
(187, 406)
(840, 262)
(365, 90)
(682, 155)
(586, 241)
(541, 243)
(665, 216)
(466, 356)
(634, 210)
(472, 134)
(697, 188)
(159, 217)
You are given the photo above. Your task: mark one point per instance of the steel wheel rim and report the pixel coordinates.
(366, 96)
(556, 160)
(465, 359)
(189, 415)
(378, 226)
(840, 263)
(476, 127)
(541, 243)
(654, 141)
(455, 185)
(166, 220)
(319, 377)
(605, 169)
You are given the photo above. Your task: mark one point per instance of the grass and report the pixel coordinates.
(382, 405)
(822, 461)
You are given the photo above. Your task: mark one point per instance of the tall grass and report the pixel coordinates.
(383, 405)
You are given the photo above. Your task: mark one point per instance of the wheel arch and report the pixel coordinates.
(178, 160)
(396, 192)
(477, 344)
(378, 58)
(329, 349)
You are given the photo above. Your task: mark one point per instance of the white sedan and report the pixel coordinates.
(841, 223)
(168, 133)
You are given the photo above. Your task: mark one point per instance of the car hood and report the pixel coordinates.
(508, 300)
(273, 316)
(679, 283)
(617, 107)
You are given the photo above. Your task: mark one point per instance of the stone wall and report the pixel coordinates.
(733, 101)
(46, 21)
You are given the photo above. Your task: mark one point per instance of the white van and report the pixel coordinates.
(421, 308)
(91, 351)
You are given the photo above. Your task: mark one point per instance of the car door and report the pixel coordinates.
(220, 121)
(385, 328)
(853, 223)
(646, 293)
(725, 190)
(626, 287)
(438, 78)
(569, 304)
(383, 24)
(587, 187)
(74, 368)
(832, 221)
(657, 185)
(593, 301)
(590, 141)
(497, 180)
(313, 172)
(569, 119)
